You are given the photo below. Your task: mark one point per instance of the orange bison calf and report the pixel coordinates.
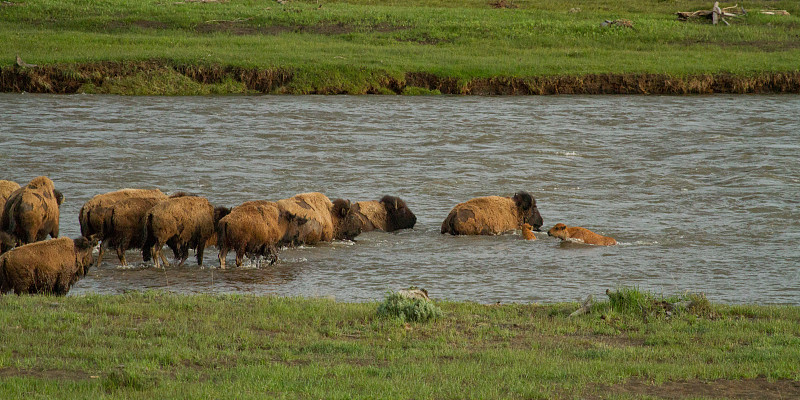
(182, 223)
(51, 266)
(388, 214)
(31, 212)
(527, 233)
(330, 220)
(492, 215)
(578, 234)
(257, 229)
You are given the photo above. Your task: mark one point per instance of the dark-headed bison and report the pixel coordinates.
(388, 214)
(50, 266)
(492, 215)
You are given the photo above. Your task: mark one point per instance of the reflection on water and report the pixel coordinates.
(700, 206)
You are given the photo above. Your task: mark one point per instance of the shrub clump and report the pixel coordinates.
(396, 305)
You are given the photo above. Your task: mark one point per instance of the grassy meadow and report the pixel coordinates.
(161, 345)
(362, 46)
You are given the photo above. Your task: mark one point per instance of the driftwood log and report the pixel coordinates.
(715, 14)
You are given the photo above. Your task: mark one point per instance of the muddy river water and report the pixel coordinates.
(703, 193)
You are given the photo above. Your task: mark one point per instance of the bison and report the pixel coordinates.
(51, 266)
(31, 212)
(92, 216)
(578, 234)
(124, 225)
(388, 214)
(6, 188)
(182, 223)
(492, 215)
(327, 220)
(257, 229)
(527, 233)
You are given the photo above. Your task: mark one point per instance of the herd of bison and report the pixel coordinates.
(149, 219)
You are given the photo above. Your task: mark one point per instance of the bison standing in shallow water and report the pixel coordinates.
(6, 188)
(124, 225)
(257, 228)
(388, 215)
(51, 266)
(182, 223)
(31, 212)
(492, 215)
(332, 220)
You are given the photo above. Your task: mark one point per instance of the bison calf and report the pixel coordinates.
(51, 266)
(578, 234)
(492, 215)
(388, 214)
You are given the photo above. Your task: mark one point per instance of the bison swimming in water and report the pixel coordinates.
(51, 266)
(388, 214)
(582, 235)
(182, 223)
(257, 229)
(492, 215)
(332, 219)
(31, 212)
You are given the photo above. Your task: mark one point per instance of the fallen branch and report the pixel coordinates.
(715, 14)
(774, 12)
(584, 308)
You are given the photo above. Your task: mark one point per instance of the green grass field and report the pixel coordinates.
(159, 345)
(372, 46)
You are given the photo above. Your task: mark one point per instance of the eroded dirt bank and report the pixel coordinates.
(104, 76)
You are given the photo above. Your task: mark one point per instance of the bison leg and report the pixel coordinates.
(272, 254)
(199, 253)
(223, 252)
(100, 251)
(121, 256)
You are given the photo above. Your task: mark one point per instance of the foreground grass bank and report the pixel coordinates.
(156, 345)
(409, 47)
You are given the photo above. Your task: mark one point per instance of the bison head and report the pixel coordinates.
(527, 210)
(83, 254)
(346, 223)
(559, 231)
(398, 216)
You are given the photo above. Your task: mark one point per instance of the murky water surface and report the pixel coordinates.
(702, 192)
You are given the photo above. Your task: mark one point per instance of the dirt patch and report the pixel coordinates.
(759, 388)
(52, 374)
(503, 4)
(143, 24)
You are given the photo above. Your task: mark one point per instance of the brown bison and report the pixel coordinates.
(182, 223)
(257, 229)
(31, 212)
(51, 266)
(578, 234)
(327, 220)
(492, 215)
(6, 188)
(527, 233)
(388, 214)
(124, 225)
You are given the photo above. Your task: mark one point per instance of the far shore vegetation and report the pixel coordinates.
(191, 47)
(161, 345)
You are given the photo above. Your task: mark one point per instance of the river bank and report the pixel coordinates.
(159, 78)
(417, 47)
(146, 344)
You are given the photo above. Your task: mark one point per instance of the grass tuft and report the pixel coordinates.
(398, 306)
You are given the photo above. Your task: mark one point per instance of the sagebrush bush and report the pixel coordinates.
(408, 310)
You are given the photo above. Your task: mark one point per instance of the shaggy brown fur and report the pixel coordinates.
(31, 212)
(333, 220)
(124, 225)
(389, 214)
(583, 235)
(256, 229)
(6, 188)
(182, 223)
(51, 266)
(93, 213)
(492, 215)
(527, 233)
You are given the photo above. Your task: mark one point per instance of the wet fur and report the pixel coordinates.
(182, 223)
(6, 188)
(388, 214)
(93, 213)
(256, 229)
(492, 215)
(124, 226)
(51, 266)
(32, 212)
(527, 233)
(332, 219)
(583, 235)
